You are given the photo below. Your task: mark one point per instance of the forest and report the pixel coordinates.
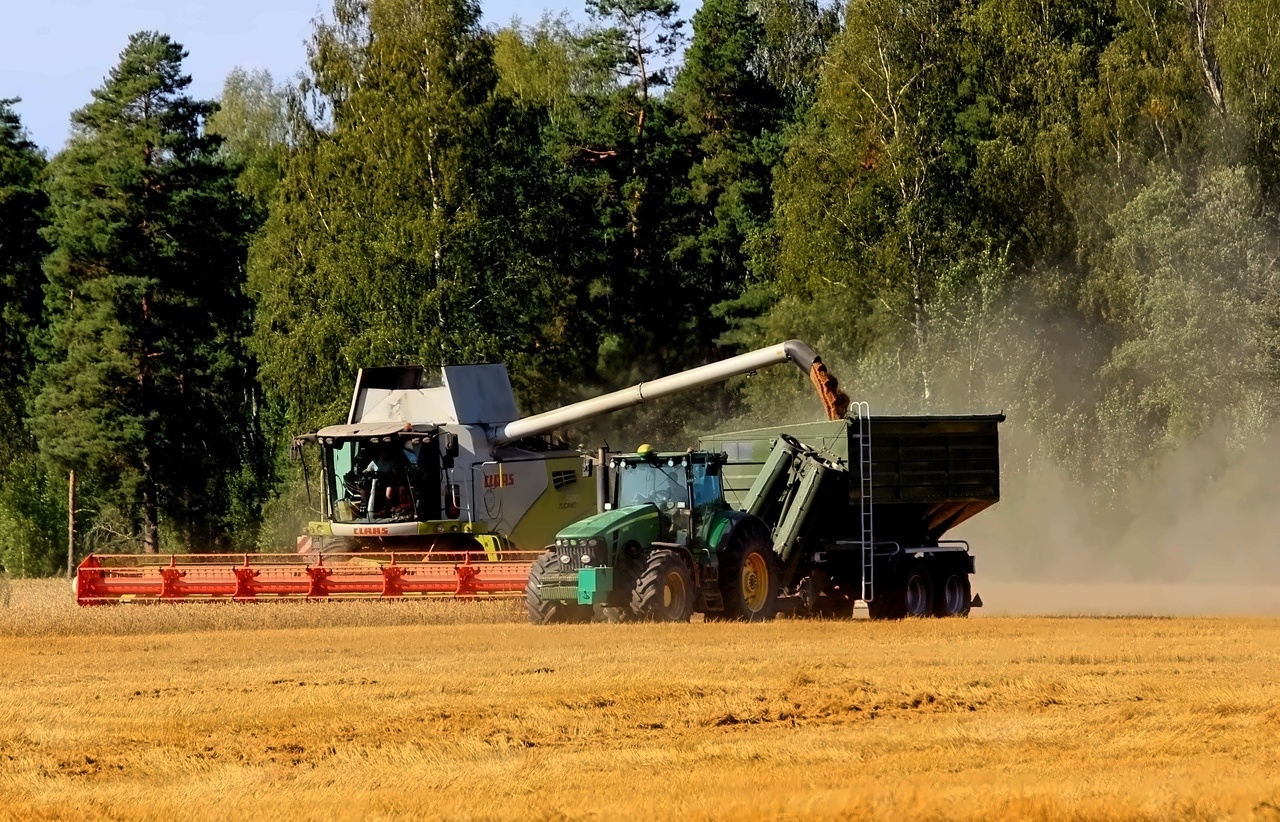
(1067, 210)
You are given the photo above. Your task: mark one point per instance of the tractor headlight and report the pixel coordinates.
(586, 559)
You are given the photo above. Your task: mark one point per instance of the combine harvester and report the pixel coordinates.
(820, 515)
(426, 491)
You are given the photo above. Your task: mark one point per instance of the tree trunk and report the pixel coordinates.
(150, 521)
(71, 524)
(1199, 11)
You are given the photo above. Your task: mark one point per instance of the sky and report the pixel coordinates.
(53, 53)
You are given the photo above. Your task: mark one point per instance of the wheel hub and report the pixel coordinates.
(754, 582)
(672, 590)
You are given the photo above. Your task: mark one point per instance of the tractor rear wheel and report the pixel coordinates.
(749, 577)
(953, 595)
(664, 590)
(545, 612)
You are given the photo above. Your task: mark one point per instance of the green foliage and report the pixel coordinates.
(732, 113)
(257, 121)
(1057, 209)
(386, 242)
(22, 211)
(1063, 209)
(144, 387)
(30, 511)
(33, 520)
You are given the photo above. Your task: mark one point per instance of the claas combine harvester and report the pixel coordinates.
(426, 490)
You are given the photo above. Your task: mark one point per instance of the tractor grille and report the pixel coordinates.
(598, 555)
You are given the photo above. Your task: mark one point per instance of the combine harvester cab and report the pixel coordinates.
(425, 490)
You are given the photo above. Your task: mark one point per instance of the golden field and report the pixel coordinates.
(457, 710)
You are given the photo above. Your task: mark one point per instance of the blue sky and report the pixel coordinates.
(53, 53)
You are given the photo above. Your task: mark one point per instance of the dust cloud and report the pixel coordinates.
(1196, 536)
(1002, 598)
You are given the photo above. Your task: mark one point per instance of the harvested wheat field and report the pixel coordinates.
(448, 710)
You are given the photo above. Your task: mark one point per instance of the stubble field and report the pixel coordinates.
(447, 710)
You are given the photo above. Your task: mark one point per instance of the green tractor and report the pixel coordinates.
(668, 544)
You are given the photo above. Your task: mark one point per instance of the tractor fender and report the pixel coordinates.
(695, 568)
(730, 524)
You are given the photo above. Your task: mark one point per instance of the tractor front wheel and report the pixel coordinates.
(664, 590)
(545, 612)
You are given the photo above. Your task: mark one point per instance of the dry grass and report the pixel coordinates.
(977, 719)
(47, 608)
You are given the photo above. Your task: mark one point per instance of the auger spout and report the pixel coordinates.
(834, 401)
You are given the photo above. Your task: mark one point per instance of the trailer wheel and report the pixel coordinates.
(664, 589)
(749, 577)
(545, 612)
(886, 605)
(953, 595)
(917, 593)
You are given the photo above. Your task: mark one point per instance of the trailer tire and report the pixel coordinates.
(664, 589)
(749, 576)
(917, 593)
(911, 595)
(887, 604)
(953, 595)
(546, 612)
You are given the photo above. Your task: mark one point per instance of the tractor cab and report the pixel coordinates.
(684, 487)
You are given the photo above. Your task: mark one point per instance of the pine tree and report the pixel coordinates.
(145, 389)
(22, 207)
(31, 513)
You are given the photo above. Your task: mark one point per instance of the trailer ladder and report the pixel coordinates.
(864, 499)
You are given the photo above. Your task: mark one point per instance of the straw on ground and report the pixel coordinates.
(965, 719)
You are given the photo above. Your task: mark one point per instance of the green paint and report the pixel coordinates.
(594, 585)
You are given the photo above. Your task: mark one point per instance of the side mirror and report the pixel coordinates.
(588, 466)
(295, 450)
